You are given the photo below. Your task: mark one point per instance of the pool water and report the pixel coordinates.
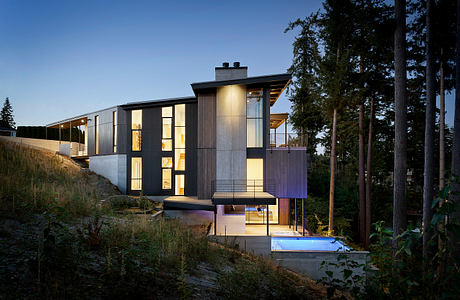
(307, 244)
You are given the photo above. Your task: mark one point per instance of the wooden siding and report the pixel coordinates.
(206, 144)
(283, 205)
(288, 169)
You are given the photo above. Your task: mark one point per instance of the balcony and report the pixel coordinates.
(241, 192)
(283, 139)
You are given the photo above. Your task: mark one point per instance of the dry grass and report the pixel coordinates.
(36, 181)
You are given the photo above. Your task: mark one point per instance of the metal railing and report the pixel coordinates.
(290, 139)
(235, 187)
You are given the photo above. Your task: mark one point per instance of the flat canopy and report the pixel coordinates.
(188, 203)
(276, 120)
(276, 83)
(76, 121)
(242, 198)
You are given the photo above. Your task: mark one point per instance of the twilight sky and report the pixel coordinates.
(59, 59)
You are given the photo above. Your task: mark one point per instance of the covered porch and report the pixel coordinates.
(73, 138)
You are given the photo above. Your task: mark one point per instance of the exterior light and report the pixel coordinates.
(62, 126)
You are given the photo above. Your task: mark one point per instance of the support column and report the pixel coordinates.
(303, 217)
(285, 133)
(70, 138)
(268, 222)
(295, 213)
(60, 134)
(215, 219)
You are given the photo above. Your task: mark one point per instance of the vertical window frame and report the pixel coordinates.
(96, 134)
(136, 131)
(114, 130)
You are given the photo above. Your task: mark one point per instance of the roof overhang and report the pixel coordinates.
(158, 102)
(277, 119)
(66, 123)
(276, 83)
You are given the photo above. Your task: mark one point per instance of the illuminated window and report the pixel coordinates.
(166, 162)
(179, 158)
(179, 137)
(96, 134)
(136, 130)
(180, 184)
(166, 112)
(136, 173)
(179, 116)
(166, 178)
(167, 124)
(179, 141)
(166, 145)
(254, 115)
(114, 131)
(255, 174)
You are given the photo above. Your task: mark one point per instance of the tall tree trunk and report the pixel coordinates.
(456, 142)
(400, 151)
(332, 183)
(369, 177)
(442, 114)
(362, 196)
(430, 110)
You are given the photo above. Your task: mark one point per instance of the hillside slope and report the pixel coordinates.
(56, 242)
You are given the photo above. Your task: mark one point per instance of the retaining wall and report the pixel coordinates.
(44, 145)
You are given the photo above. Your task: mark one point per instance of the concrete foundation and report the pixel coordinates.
(191, 217)
(112, 167)
(258, 245)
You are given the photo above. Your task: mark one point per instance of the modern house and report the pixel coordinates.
(213, 151)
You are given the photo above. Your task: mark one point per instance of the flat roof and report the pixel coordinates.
(156, 102)
(276, 82)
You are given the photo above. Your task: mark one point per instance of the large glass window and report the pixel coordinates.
(136, 173)
(114, 131)
(179, 137)
(180, 184)
(166, 179)
(166, 141)
(254, 115)
(96, 134)
(255, 174)
(136, 130)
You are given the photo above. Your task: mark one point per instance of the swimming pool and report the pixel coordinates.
(307, 244)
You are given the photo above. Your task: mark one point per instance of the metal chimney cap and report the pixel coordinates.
(225, 64)
(236, 64)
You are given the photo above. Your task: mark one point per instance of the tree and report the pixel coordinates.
(400, 147)
(7, 119)
(428, 182)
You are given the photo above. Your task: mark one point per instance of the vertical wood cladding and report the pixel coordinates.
(288, 169)
(206, 144)
(283, 204)
(105, 132)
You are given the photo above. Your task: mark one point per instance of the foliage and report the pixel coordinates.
(42, 132)
(6, 115)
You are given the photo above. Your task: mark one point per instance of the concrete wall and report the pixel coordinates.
(112, 167)
(309, 262)
(70, 149)
(45, 145)
(230, 223)
(258, 245)
(231, 133)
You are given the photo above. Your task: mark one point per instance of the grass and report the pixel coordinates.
(66, 246)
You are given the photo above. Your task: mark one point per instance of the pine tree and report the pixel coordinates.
(7, 119)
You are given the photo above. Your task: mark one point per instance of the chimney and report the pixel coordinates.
(228, 73)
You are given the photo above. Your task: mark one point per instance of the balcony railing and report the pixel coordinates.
(236, 191)
(286, 140)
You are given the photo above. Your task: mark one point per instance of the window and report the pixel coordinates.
(96, 134)
(255, 174)
(180, 184)
(114, 131)
(136, 173)
(254, 118)
(179, 137)
(166, 185)
(166, 162)
(166, 142)
(136, 130)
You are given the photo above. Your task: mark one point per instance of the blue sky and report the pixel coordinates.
(64, 58)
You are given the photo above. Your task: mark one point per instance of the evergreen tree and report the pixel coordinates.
(7, 119)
